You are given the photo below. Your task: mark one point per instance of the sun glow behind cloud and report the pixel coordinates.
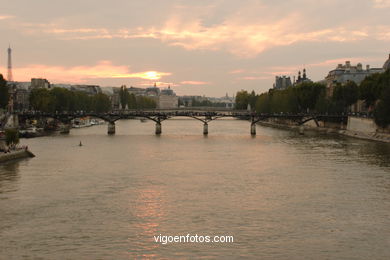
(81, 74)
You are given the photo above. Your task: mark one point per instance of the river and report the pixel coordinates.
(279, 194)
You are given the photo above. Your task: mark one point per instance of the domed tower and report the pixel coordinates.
(386, 66)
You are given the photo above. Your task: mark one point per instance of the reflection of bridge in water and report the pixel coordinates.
(158, 116)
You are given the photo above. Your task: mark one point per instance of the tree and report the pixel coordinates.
(11, 136)
(101, 103)
(42, 100)
(4, 96)
(132, 101)
(124, 96)
(382, 109)
(370, 89)
(242, 99)
(346, 95)
(263, 103)
(307, 94)
(145, 102)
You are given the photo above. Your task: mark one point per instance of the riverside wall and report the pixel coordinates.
(14, 155)
(358, 127)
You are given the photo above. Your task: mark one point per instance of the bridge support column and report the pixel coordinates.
(253, 129)
(205, 128)
(65, 128)
(111, 128)
(301, 129)
(158, 128)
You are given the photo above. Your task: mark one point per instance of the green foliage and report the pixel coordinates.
(133, 102)
(371, 88)
(252, 98)
(382, 109)
(242, 99)
(307, 95)
(101, 103)
(346, 95)
(124, 96)
(301, 98)
(145, 102)
(3, 92)
(11, 136)
(42, 100)
(60, 99)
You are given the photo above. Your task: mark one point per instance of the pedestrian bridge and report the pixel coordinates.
(158, 116)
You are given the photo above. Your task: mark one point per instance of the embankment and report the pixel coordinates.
(363, 128)
(14, 155)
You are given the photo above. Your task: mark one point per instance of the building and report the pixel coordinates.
(303, 78)
(40, 83)
(152, 91)
(223, 102)
(282, 82)
(22, 99)
(137, 91)
(345, 73)
(113, 94)
(90, 90)
(167, 99)
(187, 101)
(20, 92)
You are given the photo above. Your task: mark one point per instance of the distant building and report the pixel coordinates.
(40, 83)
(66, 86)
(282, 82)
(167, 99)
(115, 98)
(226, 101)
(20, 92)
(88, 89)
(152, 91)
(187, 101)
(345, 73)
(136, 91)
(303, 78)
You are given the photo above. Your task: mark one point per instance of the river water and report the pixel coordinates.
(279, 194)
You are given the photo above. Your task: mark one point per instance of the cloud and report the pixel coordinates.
(381, 3)
(5, 17)
(241, 39)
(158, 84)
(237, 71)
(255, 78)
(81, 74)
(194, 82)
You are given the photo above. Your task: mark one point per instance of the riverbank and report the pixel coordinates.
(349, 130)
(15, 155)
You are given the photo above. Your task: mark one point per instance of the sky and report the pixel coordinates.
(198, 47)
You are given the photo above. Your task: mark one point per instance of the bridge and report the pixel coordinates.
(158, 116)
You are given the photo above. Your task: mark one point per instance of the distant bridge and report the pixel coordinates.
(158, 116)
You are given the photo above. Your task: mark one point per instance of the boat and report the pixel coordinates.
(81, 122)
(95, 121)
(31, 132)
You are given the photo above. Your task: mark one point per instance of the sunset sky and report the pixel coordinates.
(209, 47)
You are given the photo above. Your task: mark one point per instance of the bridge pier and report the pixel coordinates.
(205, 128)
(158, 128)
(65, 128)
(111, 128)
(301, 129)
(253, 129)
